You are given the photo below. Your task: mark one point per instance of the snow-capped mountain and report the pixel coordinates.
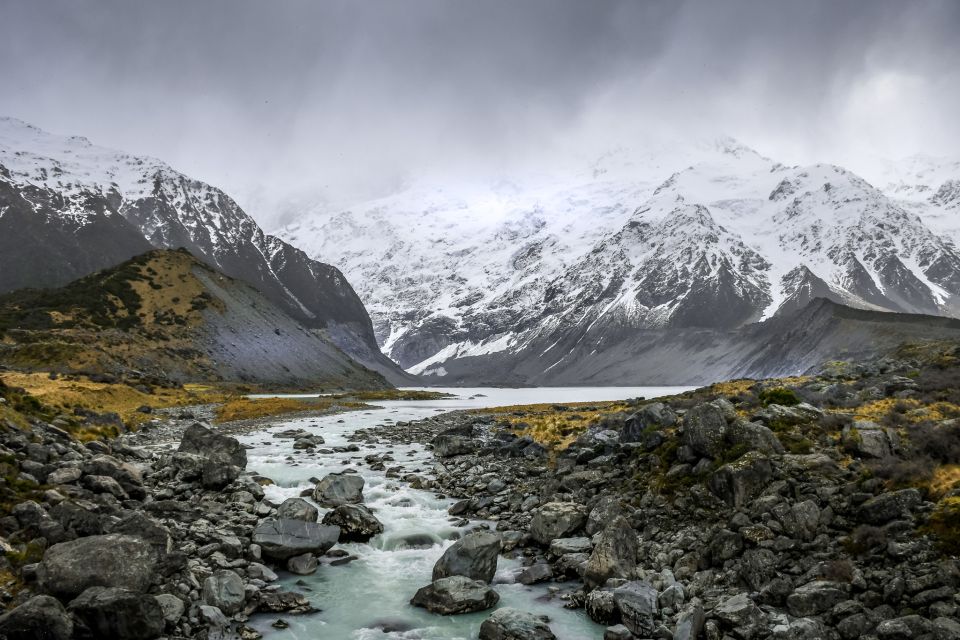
(705, 237)
(68, 207)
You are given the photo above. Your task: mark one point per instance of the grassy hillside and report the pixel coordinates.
(165, 316)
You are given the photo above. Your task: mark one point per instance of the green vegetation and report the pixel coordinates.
(779, 395)
(944, 525)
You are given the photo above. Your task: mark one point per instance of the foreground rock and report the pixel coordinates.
(283, 539)
(474, 556)
(118, 613)
(41, 617)
(456, 594)
(111, 560)
(513, 624)
(557, 520)
(336, 489)
(356, 522)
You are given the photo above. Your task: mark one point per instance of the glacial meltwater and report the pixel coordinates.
(368, 598)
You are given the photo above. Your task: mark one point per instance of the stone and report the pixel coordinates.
(112, 560)
(944, 628)
(200, 440)
(120, 614)
(560, 546)
(336, 489)
(64, 475)
(39, 618)
(449, 445)
(513, 624)
(637, 603)
(725, 545)
(690, 622)
(755, 436)
(604, 511)
(557, 520)
(758, 567)
(742, 616)
(224, 590)
(778, 415)
(213, 617)
(171, 606)
(104, 484)
(297, 509)
(454, 595)
(614, 556)
(474, 556)
(617, 632)
(282, 539)
(302, 565)
(356, 522)
(866, 439)
(535, 573)
(601, 607)
(127, 475)
(738, 482)
(815, 598)
(653, 415)
(905, 628)
(705, 427)
(800, 629)
(892, 505)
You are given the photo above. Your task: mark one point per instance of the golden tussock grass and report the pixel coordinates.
(555, 426)
(250, 408)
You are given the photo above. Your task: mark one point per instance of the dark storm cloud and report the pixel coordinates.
(340, 98)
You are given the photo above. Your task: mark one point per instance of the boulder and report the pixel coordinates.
(615, 554)
(112, 560)
(455, 594)
(356, 522)
(778, 415)
(171, 606)
(282, 539)
(893, 505)
(815, 598)
(200, 440)
(224, 590)
(474, 556)
(297, 509)
(690, 622)
(537, 572)
(303, 565)
(637, 426)
(514, 624)
(754, 436)
(557, 520)
(738, 482)
(448, 445)
(64, 475)
(336, 489)
(120, 614)
(127, 475)
(742, 616)
(637, 603)
(39, 618)
(562, 546)
(603, 512)
(705, 427)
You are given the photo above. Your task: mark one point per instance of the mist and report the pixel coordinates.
(296, 103)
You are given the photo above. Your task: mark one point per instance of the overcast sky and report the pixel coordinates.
(321, 98)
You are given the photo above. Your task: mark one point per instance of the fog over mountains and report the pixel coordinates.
(709, 236)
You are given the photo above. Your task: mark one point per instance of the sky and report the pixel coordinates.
(285, 103)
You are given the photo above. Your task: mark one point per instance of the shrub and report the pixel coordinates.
(779, 395)
(944, 525)
(866, 538)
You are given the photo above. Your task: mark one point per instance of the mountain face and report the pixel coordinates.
(167, 315)
(518, 282)
(68, 208)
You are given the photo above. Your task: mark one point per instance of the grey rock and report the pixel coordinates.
(560, 546)
(302, 565)
(200, 440)
(637, 603)
(617, 632)
(64, 475)
(224, 590)
(356, 522)
(336, 489)
(171, 606)
(449, 445)
(689, 622)
(535, 573)
(889, 506)
(741, 480)
(615, 555)
(742, 616)
(649, 417)
(514, 624)
(755, 436)
(557, 520)
(454, 595)
(601, 607)
(282, 539)
(604, 511)
(39, 618)
(297, 509)
(118, 613)
(112, 560)
(705, 427)
(474, 556)
(905, 628)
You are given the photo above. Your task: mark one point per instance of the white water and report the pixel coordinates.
(357, 598)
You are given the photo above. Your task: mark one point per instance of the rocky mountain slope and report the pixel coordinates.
(166, 315)
(68, 208)
(711, 237)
